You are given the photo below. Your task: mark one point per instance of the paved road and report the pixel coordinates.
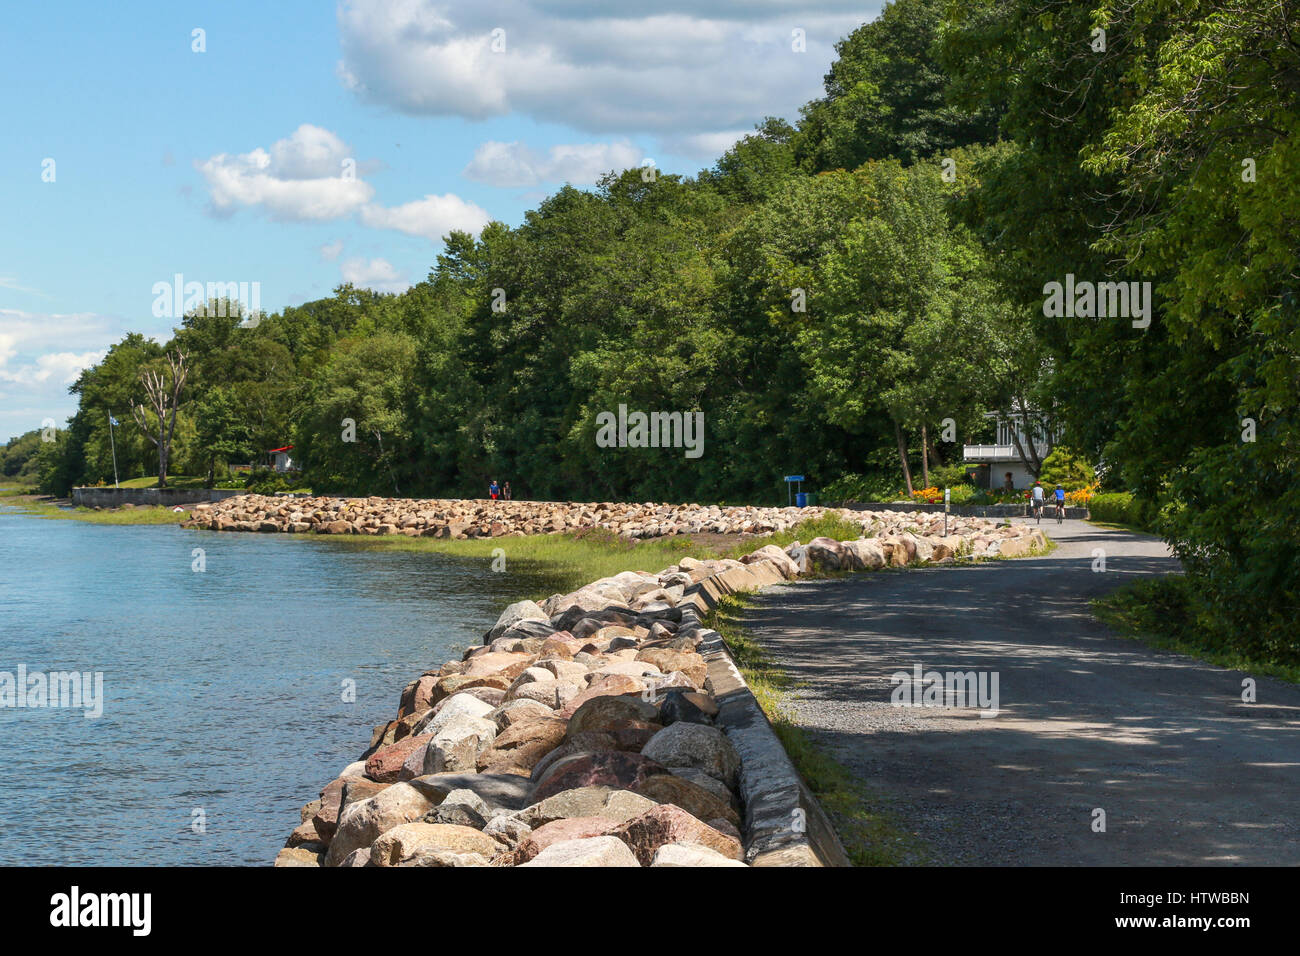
(1186, 773)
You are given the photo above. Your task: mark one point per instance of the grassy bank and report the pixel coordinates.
(568, 561)
(1158, 613)
(871, 836)
(565, 561)
(25, 502)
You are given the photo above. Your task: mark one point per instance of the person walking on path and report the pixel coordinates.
(505, 491)
(493, 490)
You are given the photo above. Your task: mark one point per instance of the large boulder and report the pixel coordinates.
(385, 764)
(687, 706)
(614, 768)
(515, 711)
(514, 615)
(1015, 547)
(326, 818)
(607, 712)
(593, 851)
(921, 546)
(519, 747)
(608, 802)
(665, 824)
(668, 661)
(612, 685)
(594, 597)
(553, 693)
(496, 790)
(433, 844)
(465, 702)
(695, 745)
(557, 831)
(362, 823)
(507, 830)
(496, 663)
(775, 555)
(864, 554)
(694, 799)
(826, 554)
(417, 696)
(307, 854)
(565, 670)
(458, 744)
(529, 628)
(692, 855)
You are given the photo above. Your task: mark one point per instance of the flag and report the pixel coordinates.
(113, 421)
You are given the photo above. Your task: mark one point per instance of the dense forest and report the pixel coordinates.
(843, 295)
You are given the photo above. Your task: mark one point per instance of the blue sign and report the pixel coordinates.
(794, 477)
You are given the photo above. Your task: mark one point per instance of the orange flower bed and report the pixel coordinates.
(1080, 497)
(929, 496)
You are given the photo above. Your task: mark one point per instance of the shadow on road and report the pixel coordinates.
(1184, 770)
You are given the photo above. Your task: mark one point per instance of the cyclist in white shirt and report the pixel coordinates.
(1037, 501)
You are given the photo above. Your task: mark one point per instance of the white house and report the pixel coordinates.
(995, 462)
(280, 460)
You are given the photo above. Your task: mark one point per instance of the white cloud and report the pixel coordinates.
(331, 250)
(11, 282)
(377, 274)
(310, 153)
(301, 178)
(710, 145)
(431, 217)
(36, 365)
(582, 164)
(673, 69)
(54, 368)
(310, 176)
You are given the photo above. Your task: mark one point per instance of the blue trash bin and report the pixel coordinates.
(801, 500)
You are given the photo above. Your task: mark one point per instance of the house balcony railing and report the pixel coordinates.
(996, 452)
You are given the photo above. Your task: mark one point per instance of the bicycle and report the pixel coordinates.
(1037, 507)
(1060, 511)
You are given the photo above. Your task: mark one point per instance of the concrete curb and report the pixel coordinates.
(785, 825)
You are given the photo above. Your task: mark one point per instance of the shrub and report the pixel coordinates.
(962, 494)
(1066, 468)
(860, 488)
(266, 482)
(950, 476)
(1121, 507)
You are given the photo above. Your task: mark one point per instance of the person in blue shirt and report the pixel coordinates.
(494, 490)
(1060, 499)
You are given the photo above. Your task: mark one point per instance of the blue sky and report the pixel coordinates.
(311, 143)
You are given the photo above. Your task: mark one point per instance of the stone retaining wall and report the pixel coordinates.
(116, 497)
(607, 727)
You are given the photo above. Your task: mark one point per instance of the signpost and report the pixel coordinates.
(789, 480)
(947, 498)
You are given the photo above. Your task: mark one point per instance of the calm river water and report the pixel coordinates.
(222, 689)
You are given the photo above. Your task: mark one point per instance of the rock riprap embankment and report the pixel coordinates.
(584, 730)
(481, 518)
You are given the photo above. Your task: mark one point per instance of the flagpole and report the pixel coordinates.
(113, 443)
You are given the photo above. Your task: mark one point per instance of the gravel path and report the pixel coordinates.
(1185, 772)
